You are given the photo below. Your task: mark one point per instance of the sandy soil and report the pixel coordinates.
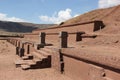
(8, 71)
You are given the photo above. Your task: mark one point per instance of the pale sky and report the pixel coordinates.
(48, 11)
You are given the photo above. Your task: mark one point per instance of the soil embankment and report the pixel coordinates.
(8, 71)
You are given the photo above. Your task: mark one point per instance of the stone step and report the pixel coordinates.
(30, 62)
(46, 50)
(44, 53)
(38, 55)
(106, 78)
(25, 57)
(49, 47)
(30, 56)
(25, 67)
(52, 48)
(19, 62)
(37, 60)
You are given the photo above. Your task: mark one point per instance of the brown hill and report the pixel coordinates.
(107, 36)
(6, 26)
(110, 17)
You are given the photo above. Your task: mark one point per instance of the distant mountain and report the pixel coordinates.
(6, 26)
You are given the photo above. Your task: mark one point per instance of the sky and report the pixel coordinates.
(48, 11)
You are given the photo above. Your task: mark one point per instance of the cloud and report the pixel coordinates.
(4, 17)
(76, 15)
(57, 17)
(108, 3)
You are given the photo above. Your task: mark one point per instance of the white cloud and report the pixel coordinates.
(108, 3)
(4, 17)
(57, 17)
(76, 15)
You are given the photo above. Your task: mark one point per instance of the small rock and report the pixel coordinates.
(116, 41)
(82, 46)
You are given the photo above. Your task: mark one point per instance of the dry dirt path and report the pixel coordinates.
(8, 71)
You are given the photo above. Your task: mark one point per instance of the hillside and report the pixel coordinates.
(108, 36)
(20, 26)
(110, 17)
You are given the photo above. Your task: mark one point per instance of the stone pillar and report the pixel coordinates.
(78, 36)
(22, 50)
(28, 49)
(17, 50)
(98, 25)
(7, 40)
(22, 45)
(10, 40)
(17, 47)
(63, 39)
(16, 43)
(13, 42)
(42, 37)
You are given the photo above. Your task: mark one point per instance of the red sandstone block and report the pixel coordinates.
(25, 67)
(38, 55)
(44, 53)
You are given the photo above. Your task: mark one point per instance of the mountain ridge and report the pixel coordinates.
(22, 27)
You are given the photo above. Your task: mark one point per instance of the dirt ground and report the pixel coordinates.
(8, 71)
